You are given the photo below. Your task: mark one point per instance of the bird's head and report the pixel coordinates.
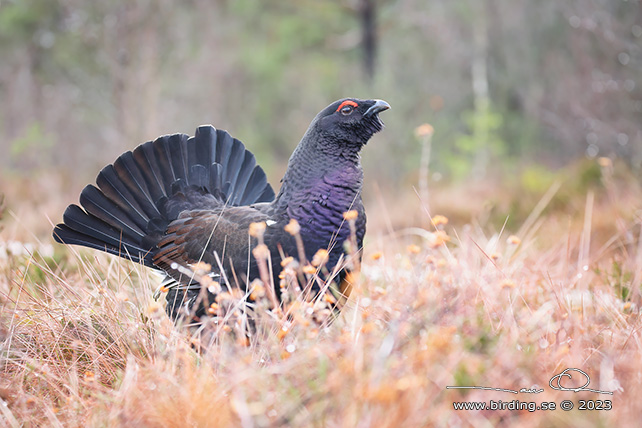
(350, 121)
(335, 136)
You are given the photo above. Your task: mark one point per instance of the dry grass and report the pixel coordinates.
(82, 343)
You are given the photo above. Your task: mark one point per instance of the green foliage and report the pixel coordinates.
(524, 186)
(589, 175)
(620, 279)
(286, 56)
(463, 377)
(21, 20)
(483, 127)
(482, 134)
(537, 179)
(33, 139)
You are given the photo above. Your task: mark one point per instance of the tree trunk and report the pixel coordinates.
(367, 11)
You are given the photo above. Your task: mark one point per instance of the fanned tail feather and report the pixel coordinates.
(138, 195)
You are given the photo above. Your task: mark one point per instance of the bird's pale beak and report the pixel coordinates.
(377, 107)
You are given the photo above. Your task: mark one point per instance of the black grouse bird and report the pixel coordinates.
(180, 200)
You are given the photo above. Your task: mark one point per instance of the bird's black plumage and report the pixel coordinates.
(178, 200)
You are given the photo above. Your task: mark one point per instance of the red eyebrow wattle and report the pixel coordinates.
(347, 103)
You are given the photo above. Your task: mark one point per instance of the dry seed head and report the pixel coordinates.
(261, 252)
(288, 272)
(294, 306)
(292, 227)
(605, 162)
(329, 298)
(442, 337)
(205, 281)
(320, 257)
(508, 284)
(214, 287)
(367, 327)
(350, 215)
(321, 315)
(414, 249)
(237, 293)
(201, 267)
(514, 240)
(286, 261)
(282, 333)
(424, 130)
(383, 394)
(257, 229)
(439, 238)
(223, 296)
(406, 383)
(258, 290)
(379, 291)
(311, 270)
(352, 277)
(439, 220)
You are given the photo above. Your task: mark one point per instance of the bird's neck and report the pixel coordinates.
(318, 187)
(318, 168)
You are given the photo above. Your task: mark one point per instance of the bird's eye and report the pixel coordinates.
(347, 107)
(346, 110)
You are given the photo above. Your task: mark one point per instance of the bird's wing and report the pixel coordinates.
(212, 236)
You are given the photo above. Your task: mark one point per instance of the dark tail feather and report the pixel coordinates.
(144, 190)
(80, 228)
(98, 205)
(163, 160)
(148, 167)
(115, 190)
(128, 172)
(73, 237)
(255, 190)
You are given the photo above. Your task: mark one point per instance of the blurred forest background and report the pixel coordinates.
(513, 88)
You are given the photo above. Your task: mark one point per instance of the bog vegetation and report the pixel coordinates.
(442, 303)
